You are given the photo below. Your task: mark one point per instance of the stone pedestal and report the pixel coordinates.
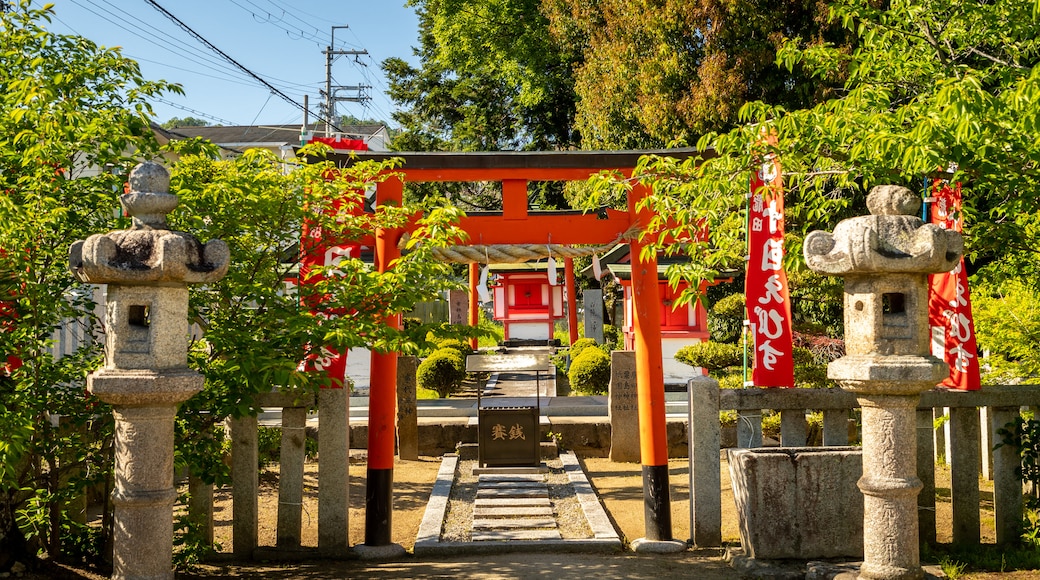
(147, 269)
(885, 259)
(798, 502)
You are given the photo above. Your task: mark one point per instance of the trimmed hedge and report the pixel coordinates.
(461, 346)
(590, 372)
(713, 356)
(443, 371)
(580, 345)
(726, 318)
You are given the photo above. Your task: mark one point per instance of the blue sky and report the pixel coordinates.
(279, 40)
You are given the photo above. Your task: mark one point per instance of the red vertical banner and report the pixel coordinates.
(9, 362)
(949, 300)
(767, 300)
(317, 252)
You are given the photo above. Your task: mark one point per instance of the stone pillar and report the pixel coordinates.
(964, 475)
(147, 269)
(926, 473)
(333, 462)
(704, 441)
(407, 409)
(244, 484)
(794, 430)
(1007, 488)
(885, 259)
(835, 427)
(623, 407)
(592, 303)
(458, 307)
(749, 429)
(200, 505)
(290, 477)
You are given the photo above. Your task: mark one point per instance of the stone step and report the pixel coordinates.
(499, 523)
(512, 485)
(504, 535)
(511, 511)
(513, 493)
(519, 502)
(512, 478)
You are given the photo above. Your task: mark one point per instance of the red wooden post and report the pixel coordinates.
(382, 406)
(572, 301)
(474, 315)
(653, 437)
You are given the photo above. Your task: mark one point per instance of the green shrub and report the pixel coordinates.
(808, 372)
(726, 318)
(713, 356)
(730, 379)
(455, 344)
(612, 337)
(443, 372)
(590, 372)
(580, 345)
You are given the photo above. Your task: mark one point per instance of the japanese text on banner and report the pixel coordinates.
(949, 300)
(767, 299)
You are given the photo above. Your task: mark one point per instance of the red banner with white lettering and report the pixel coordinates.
(949, 300)
(317, 252)
(767, 299)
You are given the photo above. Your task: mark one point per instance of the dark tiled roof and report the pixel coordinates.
(266, 133)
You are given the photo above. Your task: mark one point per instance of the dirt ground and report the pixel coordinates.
(619, 486)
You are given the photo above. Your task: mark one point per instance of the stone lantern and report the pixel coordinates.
(885, 259)
(147, 269)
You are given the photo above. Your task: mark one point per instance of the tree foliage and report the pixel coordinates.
(1007, 325)
(653, 72)
(174, 122)
(71, 112)
(258, 328)
(928, 84)
(490, 78)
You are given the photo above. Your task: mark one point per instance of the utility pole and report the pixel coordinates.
(331, 93)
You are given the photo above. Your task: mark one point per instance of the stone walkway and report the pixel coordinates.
(513, 512)
(513, 507)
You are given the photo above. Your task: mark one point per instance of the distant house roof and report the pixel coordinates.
(273, 136)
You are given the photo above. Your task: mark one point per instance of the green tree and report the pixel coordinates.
(1007, 324)
(185, 122)
(69, 111)
(258, 329)
(653, 72)
(490, 78)
(928, 84)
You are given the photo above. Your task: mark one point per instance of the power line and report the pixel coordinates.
(234, 62)
(193, 111)
(159, 38)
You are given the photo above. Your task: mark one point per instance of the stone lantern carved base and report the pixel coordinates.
(144, 387)
(144, 404)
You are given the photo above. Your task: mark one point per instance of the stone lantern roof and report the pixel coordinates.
(149, 253)
(892, 239)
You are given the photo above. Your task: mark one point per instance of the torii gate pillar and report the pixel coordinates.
(653, 436)
(382, 407)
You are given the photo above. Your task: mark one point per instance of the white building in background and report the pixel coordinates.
(279, 139)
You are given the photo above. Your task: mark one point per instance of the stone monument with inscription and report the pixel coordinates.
(147, 269)
(885, 259)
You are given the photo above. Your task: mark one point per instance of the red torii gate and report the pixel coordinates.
(515, 225)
